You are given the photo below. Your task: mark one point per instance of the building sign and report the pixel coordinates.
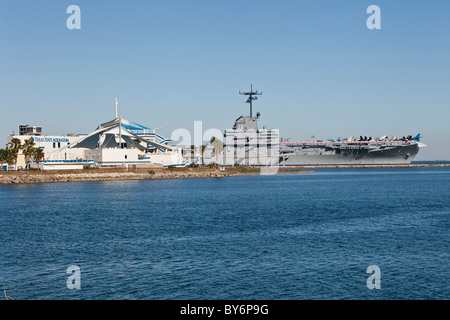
(45, 139)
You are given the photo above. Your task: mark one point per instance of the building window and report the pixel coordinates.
(125, 156)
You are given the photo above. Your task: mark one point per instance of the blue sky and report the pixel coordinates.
(321, 70)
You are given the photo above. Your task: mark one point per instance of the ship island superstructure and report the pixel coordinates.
(246, 144)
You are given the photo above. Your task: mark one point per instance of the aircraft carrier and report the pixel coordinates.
(348, 151)
(351, 151)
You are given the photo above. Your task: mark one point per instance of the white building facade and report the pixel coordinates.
(117, 143)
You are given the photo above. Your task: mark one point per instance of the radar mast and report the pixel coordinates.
(251, 97)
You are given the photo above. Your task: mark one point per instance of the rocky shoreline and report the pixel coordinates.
(105, 176)
(46, 176)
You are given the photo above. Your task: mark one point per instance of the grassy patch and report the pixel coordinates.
(243, 169)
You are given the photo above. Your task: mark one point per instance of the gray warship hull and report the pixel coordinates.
(356, 153)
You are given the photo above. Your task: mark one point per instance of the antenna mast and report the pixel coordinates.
(251, 97)
(116, 107)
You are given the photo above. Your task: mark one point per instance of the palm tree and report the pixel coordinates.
(203, 151)
(38, 155)
(211, 142)
(217, 147)
(10, 157)
(28, 150)
(14, 147)
(15, 144)
(3, 156)
(192, 152)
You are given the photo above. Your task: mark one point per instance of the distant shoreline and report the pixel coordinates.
(415, 165)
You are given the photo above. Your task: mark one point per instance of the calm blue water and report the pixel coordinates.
(309, 236)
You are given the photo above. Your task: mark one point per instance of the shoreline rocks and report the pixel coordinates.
(104, 176)
(47, 177)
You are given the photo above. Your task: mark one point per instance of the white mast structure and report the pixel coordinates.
(120, 125)
(116, 107)
(120, 130)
